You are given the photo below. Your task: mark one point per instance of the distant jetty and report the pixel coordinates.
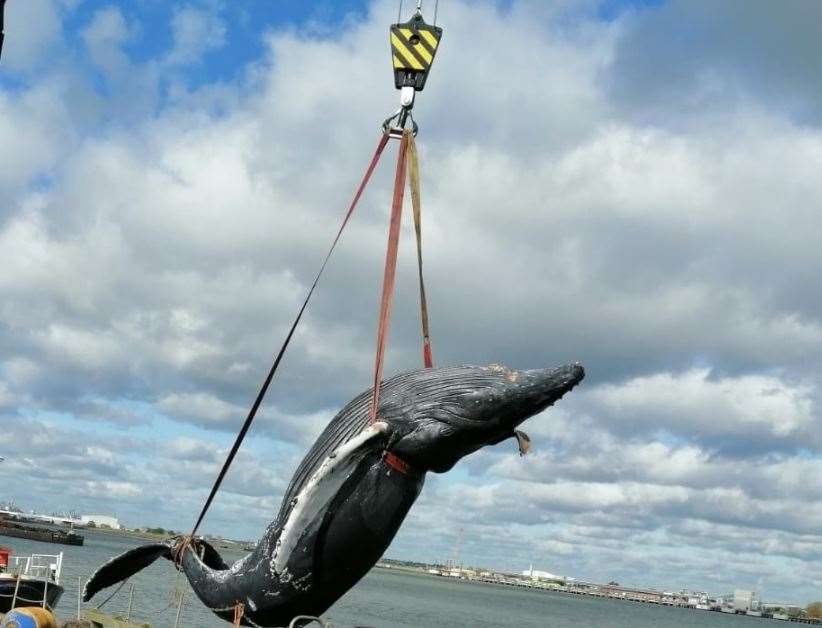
(37, 533)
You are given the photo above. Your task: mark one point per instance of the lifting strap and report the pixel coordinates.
(253, 412)
(416, 203)
(389, 273)
(407, 155)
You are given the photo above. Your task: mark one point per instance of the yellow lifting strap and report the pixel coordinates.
(416, 203)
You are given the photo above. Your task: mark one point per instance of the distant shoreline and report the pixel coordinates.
(226, 544)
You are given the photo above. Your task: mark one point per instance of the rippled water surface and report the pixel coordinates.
(382, 599)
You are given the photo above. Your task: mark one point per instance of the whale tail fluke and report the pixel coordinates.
(129, 563)
(124, 566)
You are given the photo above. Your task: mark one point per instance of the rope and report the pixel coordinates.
(239, 611)
(23, 599)
(167, 608)
(179, 551)
(108, 599)
(173, 597)
(389, 272)
(416, 202)
(245, 618)
(253, 412)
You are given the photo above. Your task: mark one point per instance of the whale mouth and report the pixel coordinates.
(538, 389)
(534, 391)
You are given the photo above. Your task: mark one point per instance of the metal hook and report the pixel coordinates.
(419, 10)
(402, 115)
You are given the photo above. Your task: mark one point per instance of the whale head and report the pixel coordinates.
(443, 415)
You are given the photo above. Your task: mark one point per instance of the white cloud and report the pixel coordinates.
(694, 402)
(111, 489)
(104, 37)
(195, 32)
(32, 28)
(185, 447)
(201, 406)
(35, 127)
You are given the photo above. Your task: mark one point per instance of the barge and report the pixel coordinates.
(38, 533)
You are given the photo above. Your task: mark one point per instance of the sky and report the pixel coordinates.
(633, 185)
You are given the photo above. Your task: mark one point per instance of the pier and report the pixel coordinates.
(610, 591)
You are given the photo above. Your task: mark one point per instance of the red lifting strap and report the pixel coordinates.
(407, 155)
(389, 274)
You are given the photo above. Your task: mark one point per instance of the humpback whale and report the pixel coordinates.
(353, 489)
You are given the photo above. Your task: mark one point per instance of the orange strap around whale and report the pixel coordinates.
(239, 612)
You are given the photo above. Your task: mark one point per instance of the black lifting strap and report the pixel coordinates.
(253, 412)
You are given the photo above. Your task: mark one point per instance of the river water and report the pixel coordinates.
(383, 599)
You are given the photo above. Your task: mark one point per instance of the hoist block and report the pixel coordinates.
(413, 47)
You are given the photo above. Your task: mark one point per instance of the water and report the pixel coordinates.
(383, 599)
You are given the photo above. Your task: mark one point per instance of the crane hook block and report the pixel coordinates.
(413, 46)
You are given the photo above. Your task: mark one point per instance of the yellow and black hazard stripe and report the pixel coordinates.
(414, 47)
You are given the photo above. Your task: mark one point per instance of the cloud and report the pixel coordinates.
(37, 28)
(199, 407)
(117, 490)
(756, 57)
(104, 37)
(195, 33)
(188, 448)
(692, 402)
(35, 125)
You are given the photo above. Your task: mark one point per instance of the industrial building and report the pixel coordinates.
(745, 601)
(100, 521)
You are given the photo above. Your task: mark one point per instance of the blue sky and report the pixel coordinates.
(246, 23)
(629, 184)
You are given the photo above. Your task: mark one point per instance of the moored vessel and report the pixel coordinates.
(29, 580)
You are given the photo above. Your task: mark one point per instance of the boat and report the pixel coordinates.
(29, 580)
(39, 533)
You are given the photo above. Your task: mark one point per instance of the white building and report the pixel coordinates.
(746, 600)
(101, 520)
(535, 574)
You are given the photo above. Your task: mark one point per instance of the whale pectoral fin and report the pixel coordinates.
(523, 442)
(123, 566)
(321, 488)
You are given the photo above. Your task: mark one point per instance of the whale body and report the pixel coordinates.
(353, 489)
